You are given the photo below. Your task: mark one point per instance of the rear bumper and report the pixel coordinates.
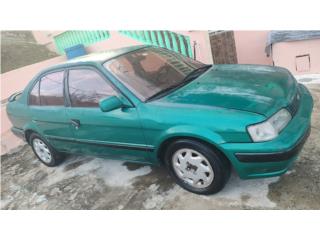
(18, 132)
(273, 158)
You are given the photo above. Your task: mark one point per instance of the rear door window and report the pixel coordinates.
(51, 89)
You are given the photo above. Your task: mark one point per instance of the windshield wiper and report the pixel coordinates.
(191, 76)
(162, 92)
(196, 73)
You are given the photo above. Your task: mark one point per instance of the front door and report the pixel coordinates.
(116, 134)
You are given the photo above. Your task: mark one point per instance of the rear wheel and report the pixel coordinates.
(197, 167)
(44, 151)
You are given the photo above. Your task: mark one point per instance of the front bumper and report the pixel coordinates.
(273, 158)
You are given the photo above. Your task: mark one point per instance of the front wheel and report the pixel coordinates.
(197, 167)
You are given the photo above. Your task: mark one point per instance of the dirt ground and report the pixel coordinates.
(19, 49)
(94, 183)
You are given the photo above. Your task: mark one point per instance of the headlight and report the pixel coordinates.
(270, 128)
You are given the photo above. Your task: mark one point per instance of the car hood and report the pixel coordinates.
(254, 88)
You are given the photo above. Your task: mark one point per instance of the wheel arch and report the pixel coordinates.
(27, 134)
(208, 138)
(30, 128)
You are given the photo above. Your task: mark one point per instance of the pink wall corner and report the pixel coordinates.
(250, 46)
(46, 38)
(284, 54)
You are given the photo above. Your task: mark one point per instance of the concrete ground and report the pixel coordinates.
(94, 183)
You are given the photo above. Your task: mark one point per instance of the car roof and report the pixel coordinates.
(99, 57)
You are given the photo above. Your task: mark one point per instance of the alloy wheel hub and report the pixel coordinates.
(42, 150)
(193, 168)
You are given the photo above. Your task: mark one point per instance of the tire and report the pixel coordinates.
(42, 148)
(205, 163)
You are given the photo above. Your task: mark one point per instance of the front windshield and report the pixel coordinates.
(149, 71)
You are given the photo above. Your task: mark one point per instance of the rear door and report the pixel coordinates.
(116, 134)
(47, 106)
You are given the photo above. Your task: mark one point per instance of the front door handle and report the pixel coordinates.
(75, 123)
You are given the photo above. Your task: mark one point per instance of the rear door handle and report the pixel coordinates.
(75, 123)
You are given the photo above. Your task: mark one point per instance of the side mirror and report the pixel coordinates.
(110, 103)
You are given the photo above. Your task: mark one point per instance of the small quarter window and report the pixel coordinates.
(51, 89)
(87, 87)
(34, 95)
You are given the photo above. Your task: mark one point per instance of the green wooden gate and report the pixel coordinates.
(71, 38)
(167, 39)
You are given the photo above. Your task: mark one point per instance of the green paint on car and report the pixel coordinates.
(150, 105)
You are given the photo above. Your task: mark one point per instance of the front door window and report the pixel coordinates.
(87, 87)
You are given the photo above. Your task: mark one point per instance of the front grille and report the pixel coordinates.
(294, 105)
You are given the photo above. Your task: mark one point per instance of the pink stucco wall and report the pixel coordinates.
(285, 53)
(115, 40)
(250, 47)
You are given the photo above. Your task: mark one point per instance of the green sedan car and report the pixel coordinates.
(153, 106)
